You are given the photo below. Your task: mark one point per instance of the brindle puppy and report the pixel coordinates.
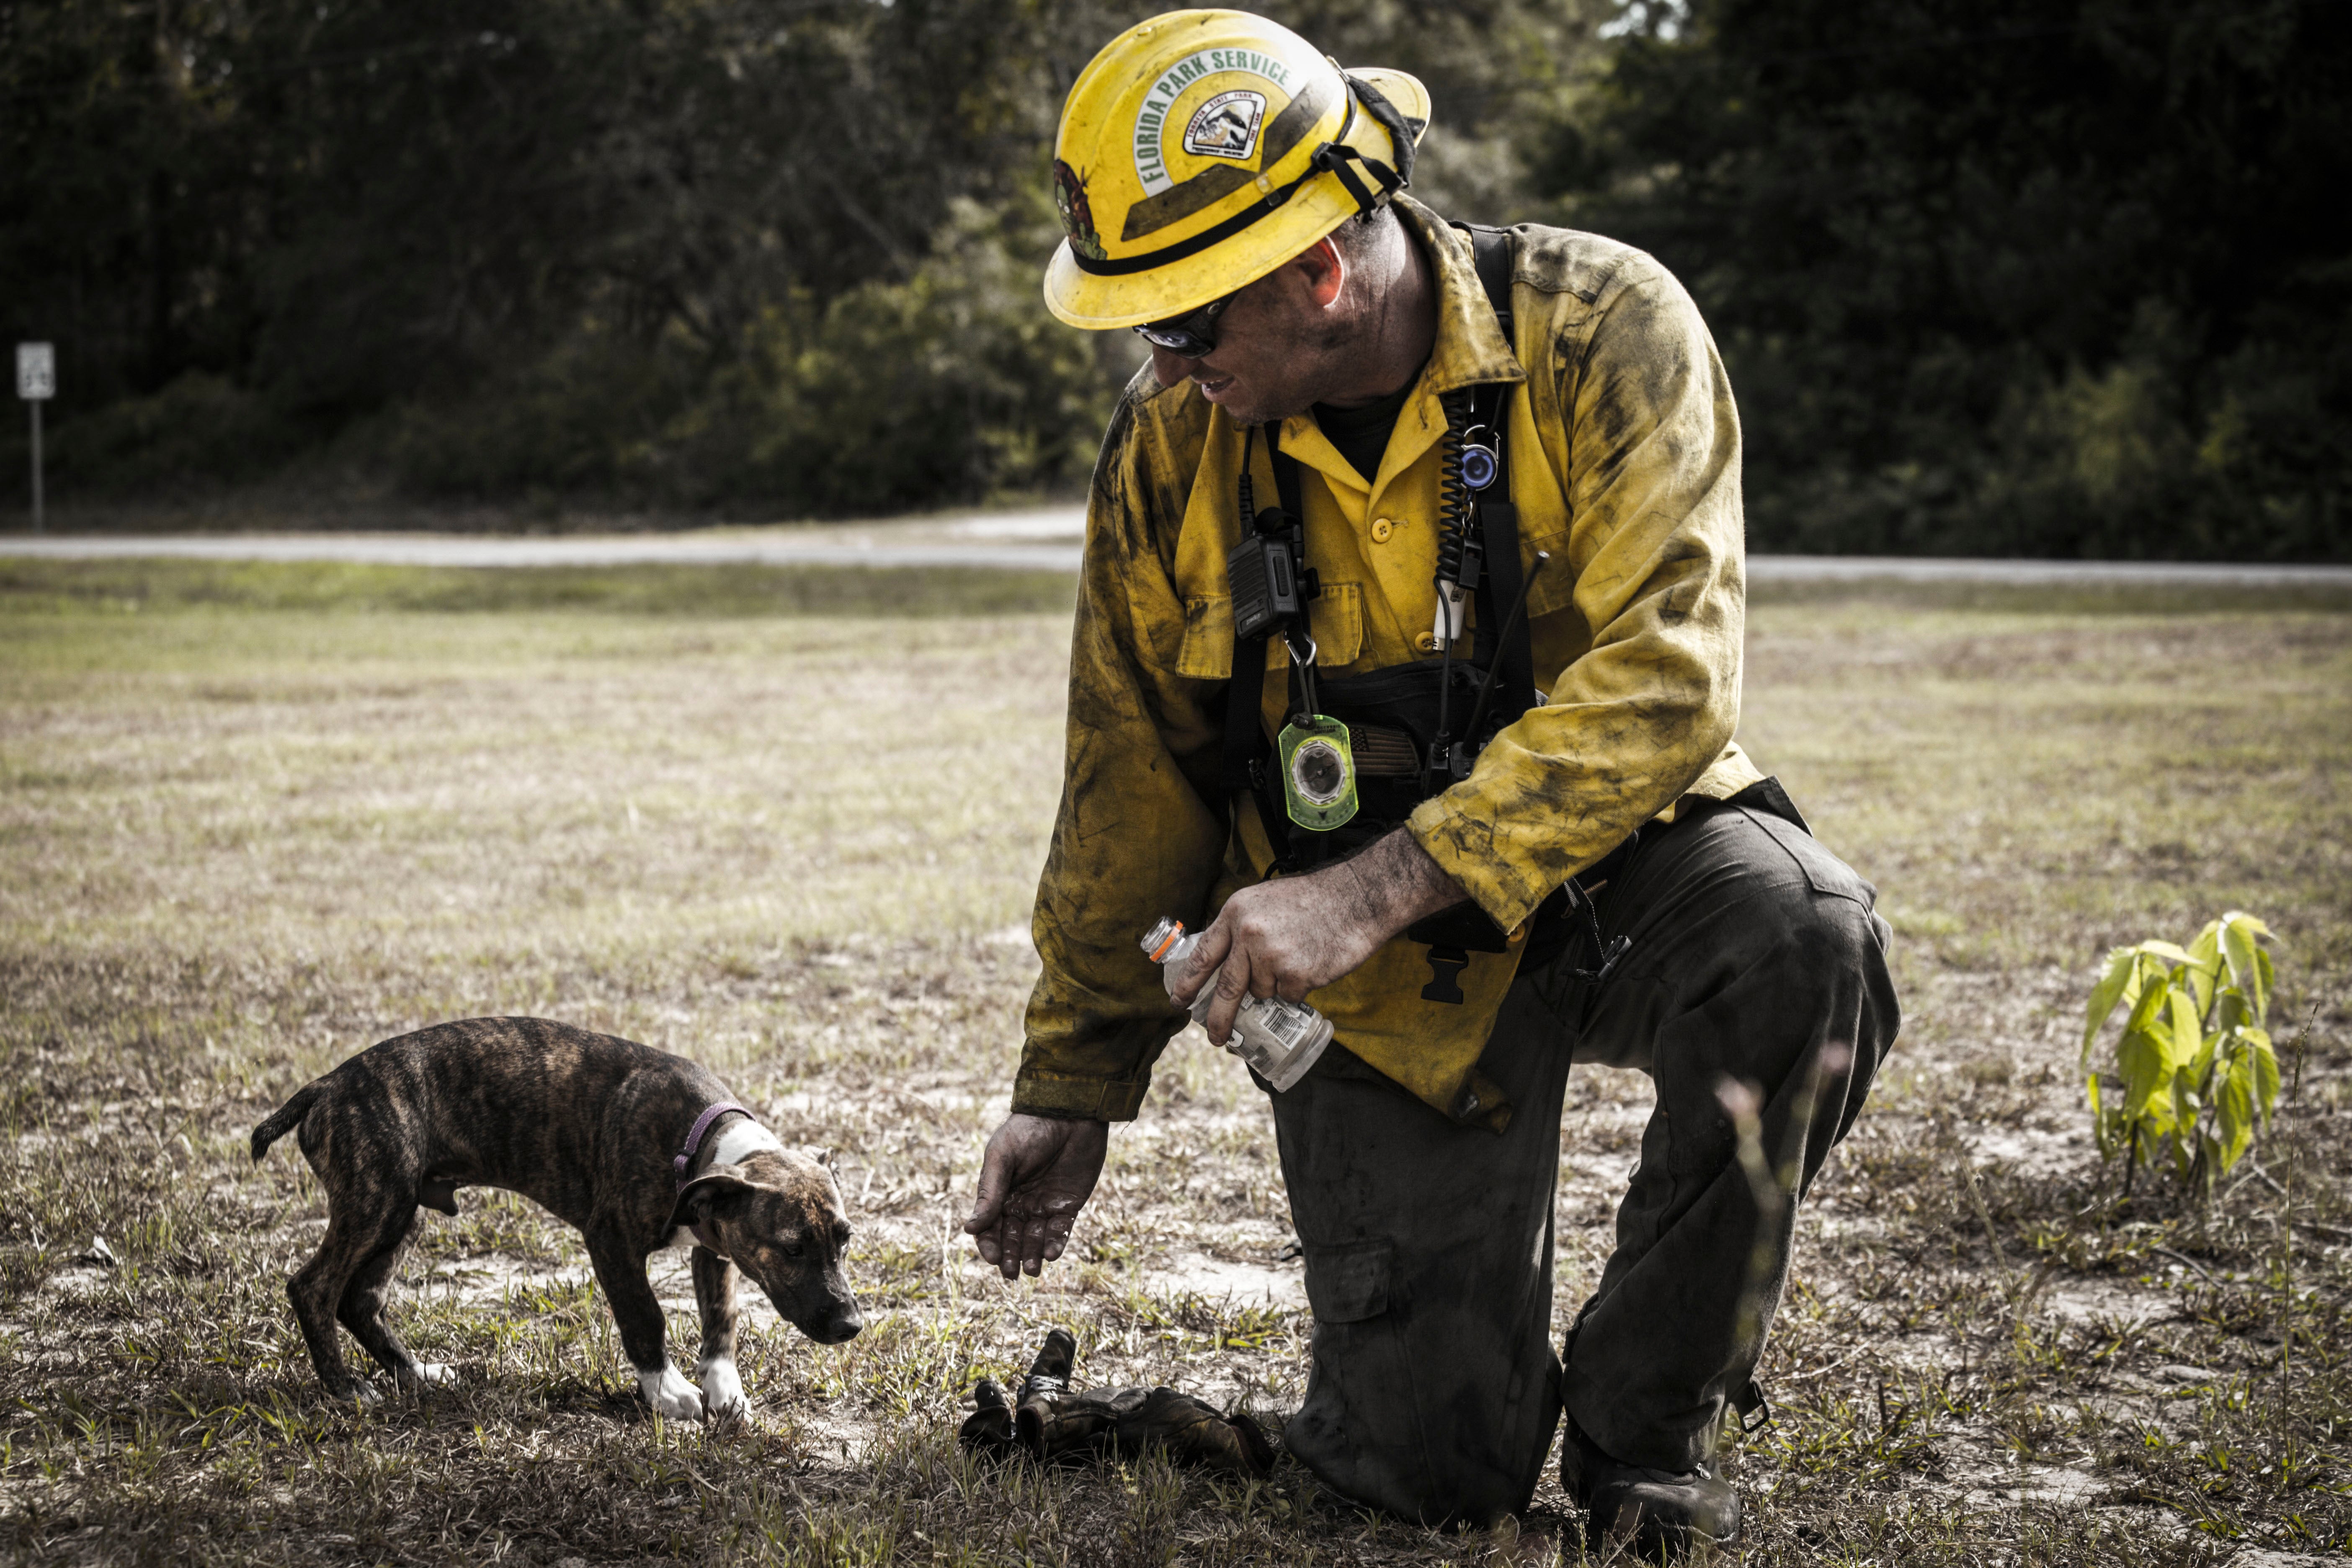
(595, 1129)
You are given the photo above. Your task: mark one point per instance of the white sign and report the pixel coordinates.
(37, 373)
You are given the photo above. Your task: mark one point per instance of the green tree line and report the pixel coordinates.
(2004, 277)
(1989, 277)
(775, 257)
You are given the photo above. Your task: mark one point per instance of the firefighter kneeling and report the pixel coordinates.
(1461, 508)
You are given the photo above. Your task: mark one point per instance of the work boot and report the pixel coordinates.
(1653, 1512)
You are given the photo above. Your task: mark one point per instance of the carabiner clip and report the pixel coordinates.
(1305, 665)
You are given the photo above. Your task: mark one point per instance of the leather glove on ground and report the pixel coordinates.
(1132, 1422)
(1051, 1424)
(988, 1430)
(998, 1424)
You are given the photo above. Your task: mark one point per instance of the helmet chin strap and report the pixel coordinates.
(1385, 115)
(1334, 156)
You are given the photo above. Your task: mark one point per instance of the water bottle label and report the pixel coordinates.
(1287, 1022)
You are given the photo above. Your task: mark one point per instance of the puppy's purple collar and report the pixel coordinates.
(694, 1139)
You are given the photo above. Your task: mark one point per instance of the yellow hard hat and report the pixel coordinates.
(1200, 150)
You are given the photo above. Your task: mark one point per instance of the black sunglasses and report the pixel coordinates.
(1190, 336)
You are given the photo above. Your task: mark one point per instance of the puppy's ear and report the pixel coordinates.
(712, 1193)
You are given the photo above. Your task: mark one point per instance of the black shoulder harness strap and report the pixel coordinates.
(1490, 252)
(1239, 766)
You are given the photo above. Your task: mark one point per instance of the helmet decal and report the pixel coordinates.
(1227, 126)
(1183, 199)
(1077, 215)
(1159, 102)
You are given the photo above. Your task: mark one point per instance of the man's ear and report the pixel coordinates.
(1326, 269)
(711, 1193)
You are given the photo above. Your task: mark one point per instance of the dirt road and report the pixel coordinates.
(1046, 540)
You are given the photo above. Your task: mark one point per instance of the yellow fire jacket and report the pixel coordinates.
(1623, 448)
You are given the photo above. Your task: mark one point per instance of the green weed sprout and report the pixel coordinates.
(2195, 1066)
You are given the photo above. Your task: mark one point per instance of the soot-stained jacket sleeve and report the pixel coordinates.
(1138, 835)
(1651, 475)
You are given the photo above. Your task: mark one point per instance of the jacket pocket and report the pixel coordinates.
(1335, 619)
(1350, 1283)
(1207, 651)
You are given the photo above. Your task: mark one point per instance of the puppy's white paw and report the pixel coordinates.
(672, 1397)
(363, 1392)
(722, 1391)
(434, 1373)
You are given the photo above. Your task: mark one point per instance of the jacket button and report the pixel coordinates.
(1381, 529)
(1426, 642)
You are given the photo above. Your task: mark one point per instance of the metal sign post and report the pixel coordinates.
(37, 382)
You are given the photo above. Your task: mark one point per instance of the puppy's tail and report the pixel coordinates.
(284, 1119)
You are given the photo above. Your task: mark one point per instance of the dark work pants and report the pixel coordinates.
(1435, 1390)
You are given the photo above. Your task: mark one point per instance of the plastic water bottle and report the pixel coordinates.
(1279, 1039)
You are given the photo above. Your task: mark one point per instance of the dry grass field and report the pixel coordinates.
(253, 819)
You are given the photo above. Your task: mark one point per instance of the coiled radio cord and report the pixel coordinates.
(1458, 558)
(1457, 547)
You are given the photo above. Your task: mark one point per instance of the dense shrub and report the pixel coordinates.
(200, 430)
(943, 385)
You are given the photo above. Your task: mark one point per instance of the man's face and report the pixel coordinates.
(1277, 348)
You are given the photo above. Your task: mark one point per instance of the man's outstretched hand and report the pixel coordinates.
(1037, 1173)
